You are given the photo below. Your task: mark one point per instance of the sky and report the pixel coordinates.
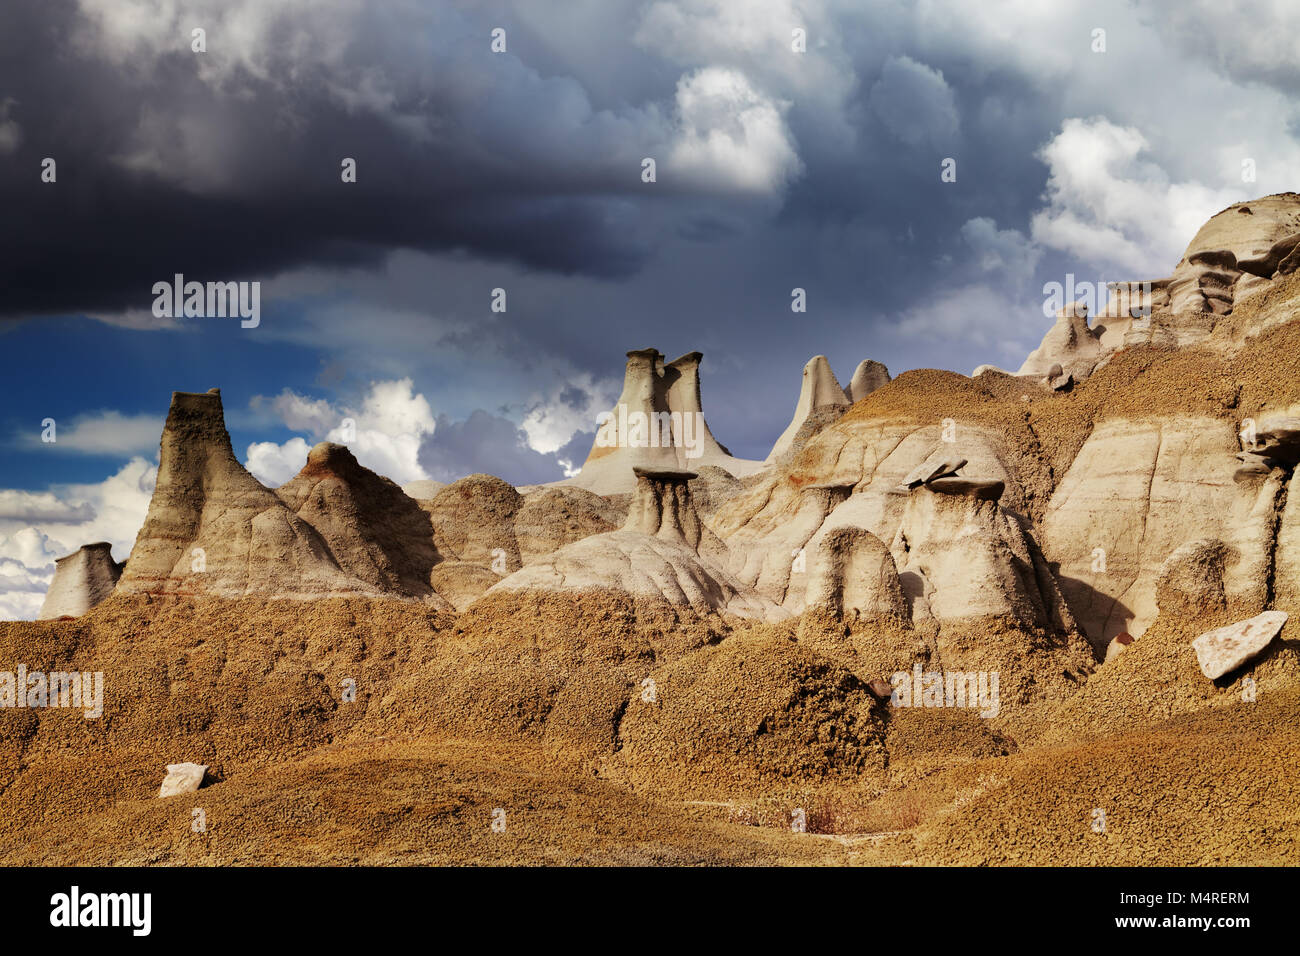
(503, 146)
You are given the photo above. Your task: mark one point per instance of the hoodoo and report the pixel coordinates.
(657, 423)
(81, 580)
(663, 552)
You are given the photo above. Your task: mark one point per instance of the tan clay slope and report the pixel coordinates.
(549, 700)
(411, 802)
(374, 530)
(1211, 789)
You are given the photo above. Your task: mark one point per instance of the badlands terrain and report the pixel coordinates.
(682, 657)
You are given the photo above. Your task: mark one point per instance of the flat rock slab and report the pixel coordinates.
(182, 778)
(985, 489)
(932, 468)
(1279, 438)
(1226, 648)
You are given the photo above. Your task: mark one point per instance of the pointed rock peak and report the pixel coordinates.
(661, 506)
(374, 530)
(869, 376)
(821, 384)
(819, 389)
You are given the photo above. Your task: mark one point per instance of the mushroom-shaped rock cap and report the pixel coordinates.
(97, 546)
(662, 506)
(984, 489)
(663, 474)
(937, 464)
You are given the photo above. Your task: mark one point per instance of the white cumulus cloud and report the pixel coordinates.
(104, 433)
(731, 136)
(1114, 208)
(38, 527)
(384, 432)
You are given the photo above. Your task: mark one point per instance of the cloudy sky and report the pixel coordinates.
(501, 145)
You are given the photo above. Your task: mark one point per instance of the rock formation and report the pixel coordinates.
(972, 559)
(1238, 254)
(81, 580)
(819, 390)
(1138, 491)
(664, 552)
(853, 575)
(213, 529)
(1070, 346)
(867, 377)
(853, 474)
(658, 422)
(1226, 648)
(375, 532)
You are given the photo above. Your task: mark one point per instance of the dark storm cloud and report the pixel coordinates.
(522, 169)
(485, 443)
(163, 170)
(228, 167)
